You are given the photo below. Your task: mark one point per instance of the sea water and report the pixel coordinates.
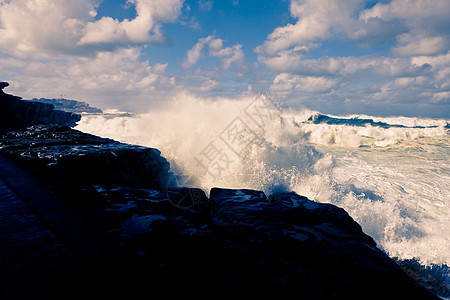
(392, 175)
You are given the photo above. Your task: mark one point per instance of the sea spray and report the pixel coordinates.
(392, 179)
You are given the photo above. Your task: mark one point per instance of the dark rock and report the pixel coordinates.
(15, 112)
(134, 211)
(61, 154)
(3, 85)
(4, 96)
(241, 244)
(293, 246)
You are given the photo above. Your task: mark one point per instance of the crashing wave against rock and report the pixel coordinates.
(176, 242)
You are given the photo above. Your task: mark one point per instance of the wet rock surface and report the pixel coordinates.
(61, 154)
(239, 243)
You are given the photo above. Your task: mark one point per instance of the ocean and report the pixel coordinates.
(391, 174)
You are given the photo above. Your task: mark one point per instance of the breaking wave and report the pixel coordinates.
(390, 174)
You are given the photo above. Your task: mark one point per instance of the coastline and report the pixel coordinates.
(238, 243)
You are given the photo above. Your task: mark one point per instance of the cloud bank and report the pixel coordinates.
(406, 29)
(48, 28)
(215, 48)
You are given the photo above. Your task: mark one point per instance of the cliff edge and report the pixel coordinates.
(15, 112)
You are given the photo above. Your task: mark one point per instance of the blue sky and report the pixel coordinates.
(341, 57)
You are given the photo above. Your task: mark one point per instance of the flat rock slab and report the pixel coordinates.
(61, 154)
(32, 260)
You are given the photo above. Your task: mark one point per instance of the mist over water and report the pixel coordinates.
(391, 174)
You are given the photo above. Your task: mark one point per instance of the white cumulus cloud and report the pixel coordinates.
(48, 28)
(285, 82)
(119, 78)
(214, 48)
(410, 45)
(149, 14)
(317, 19)
(410, 27)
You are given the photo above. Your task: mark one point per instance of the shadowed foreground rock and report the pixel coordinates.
(122, 233)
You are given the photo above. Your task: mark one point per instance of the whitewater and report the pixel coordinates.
(391, 174)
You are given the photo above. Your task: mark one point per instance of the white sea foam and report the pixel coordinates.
(394, 181)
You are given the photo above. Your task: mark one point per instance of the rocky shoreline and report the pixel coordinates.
(15, 112)
(144, 237)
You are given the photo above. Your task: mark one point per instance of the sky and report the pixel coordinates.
(384, 58)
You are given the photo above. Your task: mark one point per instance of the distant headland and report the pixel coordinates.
(68, 105)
